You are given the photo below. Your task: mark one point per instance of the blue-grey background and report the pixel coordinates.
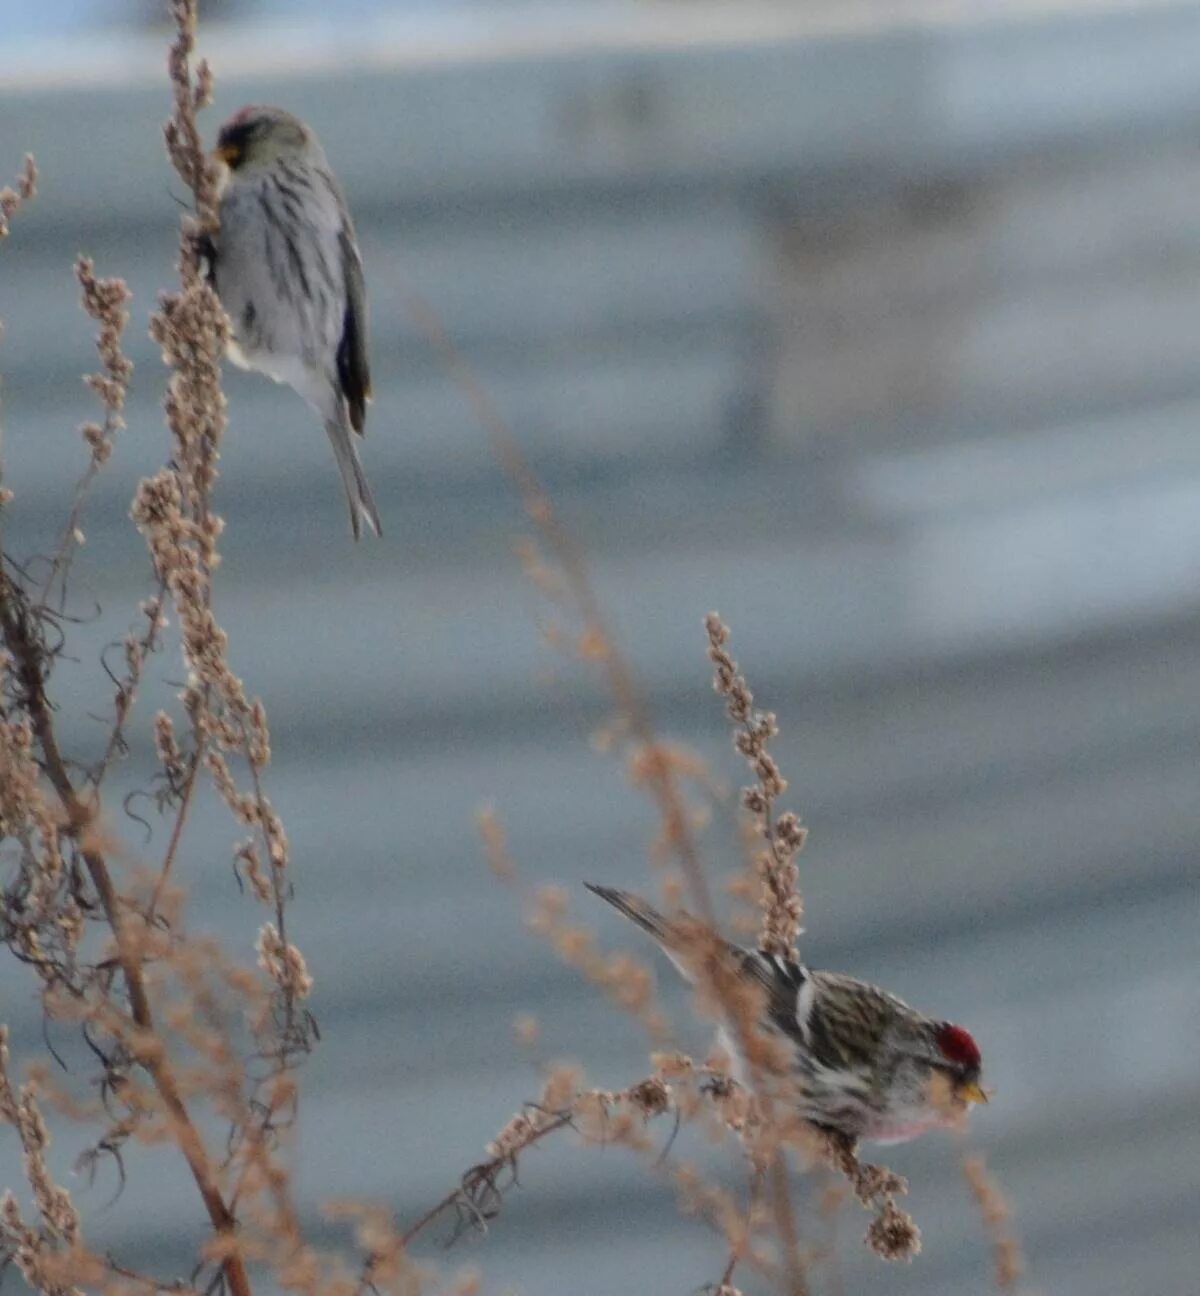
(873, 326)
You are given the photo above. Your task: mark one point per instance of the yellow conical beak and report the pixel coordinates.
(971, 1092)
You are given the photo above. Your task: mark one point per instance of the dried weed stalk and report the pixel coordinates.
(760, 1118)
(105, 301)
(43, 1253)
(779, 879)
(721, 992)
(181, 1033)
(567, 580)
(1008, 1259)
(600, 1117)
(145, 1003)
(11, 199)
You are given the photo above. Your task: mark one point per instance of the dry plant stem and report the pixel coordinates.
(11, 199)
(601, 1116)
(23, 651)
(128, 689)
(779, 900)
(785, 1225)
(624, 979)
(541, 513)
(61, 562)
(278, 889)
(562, 1105)
(487, 1169)
(174, 509)
(892, 1233)
(186, 150)
(176, 1288)
(104, 300)
(777, 1179)
(832, 1199)
(184, 144)
(779, 895)
(37, 1253)
(997, 1218)
(181, 816)
(737, 1253)
(540, 510)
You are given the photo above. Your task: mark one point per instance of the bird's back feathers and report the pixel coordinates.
(837, 1020)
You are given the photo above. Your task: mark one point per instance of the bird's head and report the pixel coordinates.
(956, 1057)
(258, 136)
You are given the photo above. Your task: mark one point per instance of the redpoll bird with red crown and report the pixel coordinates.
(867, 1065)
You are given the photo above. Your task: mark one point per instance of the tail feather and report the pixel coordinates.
(677, 939)
(354, 479)
(636, 910)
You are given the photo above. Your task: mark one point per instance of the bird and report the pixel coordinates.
(286, 266)
(866, 1065)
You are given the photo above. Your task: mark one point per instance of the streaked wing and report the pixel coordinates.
(353, 372)
(848, 1021)
(783, 979)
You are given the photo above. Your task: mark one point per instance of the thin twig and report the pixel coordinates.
(621, 681)
(785, 1227)
(129, 687)
(1007, 1255)
(60, 563)
(483, 1172)
(181, 814)
(176, 1287)
(23, 649)
(541, 512)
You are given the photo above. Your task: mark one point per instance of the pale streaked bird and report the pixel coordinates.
(287, 269)
(866, 1065)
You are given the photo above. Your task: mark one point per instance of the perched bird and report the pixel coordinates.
(866, 1064)
(286, 266)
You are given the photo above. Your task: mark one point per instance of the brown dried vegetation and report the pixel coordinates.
(181, 1032)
